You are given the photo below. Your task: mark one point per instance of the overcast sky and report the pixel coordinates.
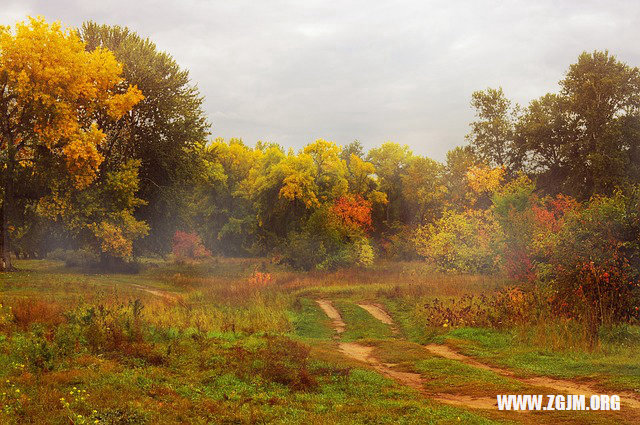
(294, 71)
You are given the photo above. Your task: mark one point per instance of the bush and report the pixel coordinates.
(595, 260)
(27, 311)
(188, 246)
(325, 243)
(83, 258)
(466, 241)
(399, 243)
(508, 307)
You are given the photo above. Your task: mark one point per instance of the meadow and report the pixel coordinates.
(247, 341)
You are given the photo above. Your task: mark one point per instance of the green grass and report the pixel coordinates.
(456, 377)
(614, 366)
(309, 321)
(226, 351)
(360, 324)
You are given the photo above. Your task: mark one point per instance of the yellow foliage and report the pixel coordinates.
(112, 239)
(49, 77)
(82, 157)
(116, 235)
(482, 179)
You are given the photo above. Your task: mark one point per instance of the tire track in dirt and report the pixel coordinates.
(333, 314)
(378, 312)
(562, 386)
(364, 354)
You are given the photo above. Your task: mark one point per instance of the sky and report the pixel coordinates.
(295, 71)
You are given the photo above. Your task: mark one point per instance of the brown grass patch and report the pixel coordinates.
(28, 311)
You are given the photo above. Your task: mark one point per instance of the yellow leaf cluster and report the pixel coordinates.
(82, 156)
(112, 239)
(51, 78)
(482, 179)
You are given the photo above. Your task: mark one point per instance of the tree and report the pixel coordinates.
(545, 133)
(52, 91)
(423, 189)
(221, 211)
(459, 160)
(164, 131)
(101, 215)
(353, 148)
(390, 161)
(602, 93)
(492, 133)
(331, 170)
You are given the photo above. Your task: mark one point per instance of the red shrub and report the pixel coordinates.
(188, 246)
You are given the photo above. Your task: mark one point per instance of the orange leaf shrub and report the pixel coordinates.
(353, 211)
(260, 279)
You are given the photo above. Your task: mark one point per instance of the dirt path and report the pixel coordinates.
(446, 352)
(561, 386)
(333, 314)
(157, 292)
(377, 312)
(364, 354)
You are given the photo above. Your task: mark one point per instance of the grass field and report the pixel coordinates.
(206, 343)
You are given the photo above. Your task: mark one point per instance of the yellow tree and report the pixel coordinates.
(50, 90)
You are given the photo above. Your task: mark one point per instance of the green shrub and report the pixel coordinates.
(326, 244)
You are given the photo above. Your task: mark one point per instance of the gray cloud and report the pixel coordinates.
(291, 72)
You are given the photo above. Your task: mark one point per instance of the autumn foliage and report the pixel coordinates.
(54, 90)
(188, 246)
(353, 212)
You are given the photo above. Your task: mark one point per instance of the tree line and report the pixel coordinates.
(105, 150)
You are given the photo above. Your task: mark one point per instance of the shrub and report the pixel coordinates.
(28, 311)
(461, 241)
(399, 243)
(83, 258)
(508, 307)
(326, 243)
(594, 262)
(286, 362)
(188, 246)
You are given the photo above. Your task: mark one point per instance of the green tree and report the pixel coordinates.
(391, 161)
(222, 214)
(459, 160)
(601, 93)
(423, 190)
(163, 132)
(492, 132)
(545, 135)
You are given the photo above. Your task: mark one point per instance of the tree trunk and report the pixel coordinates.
(7, 205)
